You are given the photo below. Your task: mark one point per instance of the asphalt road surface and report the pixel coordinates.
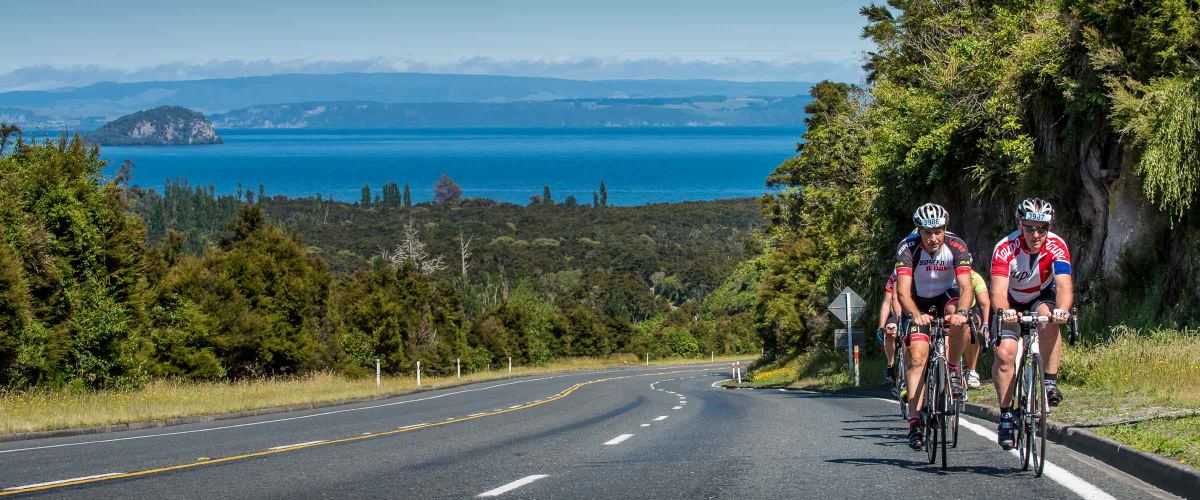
(630, 433)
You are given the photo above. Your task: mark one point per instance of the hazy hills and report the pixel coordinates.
(705, 111)
(212, 96)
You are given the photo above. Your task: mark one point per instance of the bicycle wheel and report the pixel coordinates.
(932, 394)
(1037, 403)
(945, 400)
(958, 409)
(902, 384)
(1021, 403)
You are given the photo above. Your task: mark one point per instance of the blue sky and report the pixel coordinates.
(132, 35)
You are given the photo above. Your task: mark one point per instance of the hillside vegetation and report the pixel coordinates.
(975, 105)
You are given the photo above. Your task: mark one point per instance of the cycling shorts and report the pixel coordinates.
(938, 304)
(1013, 330)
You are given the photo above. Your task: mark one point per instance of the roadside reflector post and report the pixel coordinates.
(376, 372)
(856, 365)
(418, 374)
(737, 367)
(458, 367)
(510, 365)
(712, 356)
(647, 359)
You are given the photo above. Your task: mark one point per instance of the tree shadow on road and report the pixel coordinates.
(922, 466)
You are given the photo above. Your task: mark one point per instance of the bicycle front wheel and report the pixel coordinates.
(1022, 403)
(1038, 414)
(932, 380)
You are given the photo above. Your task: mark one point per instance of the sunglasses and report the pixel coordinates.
(1035, 229)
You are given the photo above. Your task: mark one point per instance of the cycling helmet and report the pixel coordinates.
(931, 215)
(1035, 209)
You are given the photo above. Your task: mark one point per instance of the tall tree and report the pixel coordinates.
(407, 195)
(366, 196)
(603, 195)
(391, 194)
(546, 197)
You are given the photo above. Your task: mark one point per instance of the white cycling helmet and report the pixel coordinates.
(931, 215)
(1035, 209)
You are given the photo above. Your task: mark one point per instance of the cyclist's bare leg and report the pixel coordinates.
(1049, 340)
(889, 347)
(918, 353)
(971, 354)
(1003, 370)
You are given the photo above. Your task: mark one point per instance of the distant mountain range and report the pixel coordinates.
(704, 111)
(106, 101)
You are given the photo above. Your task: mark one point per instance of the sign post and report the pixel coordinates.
(848, 306)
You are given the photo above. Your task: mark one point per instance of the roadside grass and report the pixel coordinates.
(820, 368)
(168, 399)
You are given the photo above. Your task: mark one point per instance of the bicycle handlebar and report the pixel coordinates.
(1029, 320)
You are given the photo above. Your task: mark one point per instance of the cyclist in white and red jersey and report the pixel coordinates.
(933, 272)
(1031, 272)
(889, 315)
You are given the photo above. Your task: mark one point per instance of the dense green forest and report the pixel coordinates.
(1094, 105)
(103, 284)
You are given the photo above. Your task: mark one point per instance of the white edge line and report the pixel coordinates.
(513, 407)
(714, 384)
(1058, 474)
(660, 418)
(645, 425)
(286, 446)
(512, 486)
(618, 439)
(676, 407)
(60, 481)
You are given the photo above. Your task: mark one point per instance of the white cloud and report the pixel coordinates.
(798, 68)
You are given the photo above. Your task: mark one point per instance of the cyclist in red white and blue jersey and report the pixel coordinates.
(1031, 272)
(933, 272)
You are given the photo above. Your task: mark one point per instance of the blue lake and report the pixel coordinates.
(638, 166)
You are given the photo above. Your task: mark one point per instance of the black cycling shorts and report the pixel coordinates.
(938, 304)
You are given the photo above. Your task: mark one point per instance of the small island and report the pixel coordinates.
(161, 126)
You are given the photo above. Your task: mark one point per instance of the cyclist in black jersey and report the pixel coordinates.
(933, 271)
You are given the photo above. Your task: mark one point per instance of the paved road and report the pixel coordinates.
(631, 433)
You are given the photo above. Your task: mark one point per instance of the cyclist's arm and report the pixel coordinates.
(1000, 292)
(904, 287)
(885, 308)
(1064, 291)
(894, 301)
(984, 305)
(966, 294)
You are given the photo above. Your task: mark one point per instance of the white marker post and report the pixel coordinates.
(738, 368)
(458, 366)
(418, 374)
(376, 372)
(856, 365)
(510, 365)
(647, 359)
(712, 355)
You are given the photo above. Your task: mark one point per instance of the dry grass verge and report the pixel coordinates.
(165, 399)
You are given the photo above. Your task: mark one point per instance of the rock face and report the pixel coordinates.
(161, 126)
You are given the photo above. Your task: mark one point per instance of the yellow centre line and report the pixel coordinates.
(264, 453)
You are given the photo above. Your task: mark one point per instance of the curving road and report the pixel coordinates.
(628, 433)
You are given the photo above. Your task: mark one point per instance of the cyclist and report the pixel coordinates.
(982, 310)
(1031, 272)
(933, 269)
(889, 312)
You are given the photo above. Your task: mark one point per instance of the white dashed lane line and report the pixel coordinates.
(660, 418)
(512, 486)
(618, 439)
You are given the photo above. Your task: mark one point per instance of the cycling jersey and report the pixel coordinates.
(1028, 274)
(933, 275)
(891, 283)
